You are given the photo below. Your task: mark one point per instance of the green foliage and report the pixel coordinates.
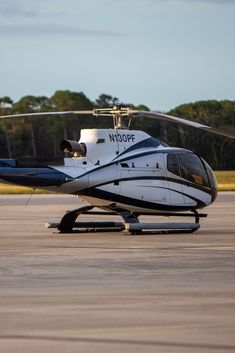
(218, 151)
(105, 100)
(5, 102)
(41, 136)
(67, 100)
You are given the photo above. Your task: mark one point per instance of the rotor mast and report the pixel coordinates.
(121, 116)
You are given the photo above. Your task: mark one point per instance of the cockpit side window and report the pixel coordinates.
(192, 169)
(173, 164)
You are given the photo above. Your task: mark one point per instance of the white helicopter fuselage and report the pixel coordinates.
(124, 169)
(128, 169)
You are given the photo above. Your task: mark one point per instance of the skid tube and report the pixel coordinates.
(131, 223)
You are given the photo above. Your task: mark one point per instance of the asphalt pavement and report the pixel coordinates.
(112, 292)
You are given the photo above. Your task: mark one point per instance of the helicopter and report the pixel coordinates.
(123, 172)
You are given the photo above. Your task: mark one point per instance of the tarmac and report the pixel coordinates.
(112, 292)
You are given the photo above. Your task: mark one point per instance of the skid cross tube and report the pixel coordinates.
(67, 222)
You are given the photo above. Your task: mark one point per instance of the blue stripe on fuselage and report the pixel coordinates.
(33, 177)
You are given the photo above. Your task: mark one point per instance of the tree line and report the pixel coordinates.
(41, 136)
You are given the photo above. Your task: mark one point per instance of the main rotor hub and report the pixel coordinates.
(121, 116)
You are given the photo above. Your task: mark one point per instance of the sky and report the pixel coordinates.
(161, 53)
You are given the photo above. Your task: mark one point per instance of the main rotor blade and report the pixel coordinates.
(73, 112)
(130, 113)
(174, 119)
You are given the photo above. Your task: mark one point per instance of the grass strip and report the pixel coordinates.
(226, 180)
(6, 189)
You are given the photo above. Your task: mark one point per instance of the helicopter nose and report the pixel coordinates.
(214, 193)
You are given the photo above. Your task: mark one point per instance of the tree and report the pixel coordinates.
(219, 151)
(30, 104)
(68, 100)
(40, 136)
(5, 106)
(5, 102)
(106, 100)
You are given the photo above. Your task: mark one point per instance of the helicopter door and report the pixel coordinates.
(160, 192)
(145, 179)
(174, 180)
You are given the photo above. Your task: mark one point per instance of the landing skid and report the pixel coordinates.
(130, 222)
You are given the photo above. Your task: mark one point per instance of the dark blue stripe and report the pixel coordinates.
(137, 155)
(181, 193)
(153, 152)
(128, 201)
(34, 177)
(177, 181)
(147, 143)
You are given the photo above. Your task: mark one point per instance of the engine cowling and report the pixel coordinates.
(73, 147)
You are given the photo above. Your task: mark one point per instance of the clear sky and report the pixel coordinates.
(161, 53)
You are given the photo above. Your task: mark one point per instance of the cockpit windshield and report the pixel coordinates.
(211, 176)
(192, 169)
(188, 166)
